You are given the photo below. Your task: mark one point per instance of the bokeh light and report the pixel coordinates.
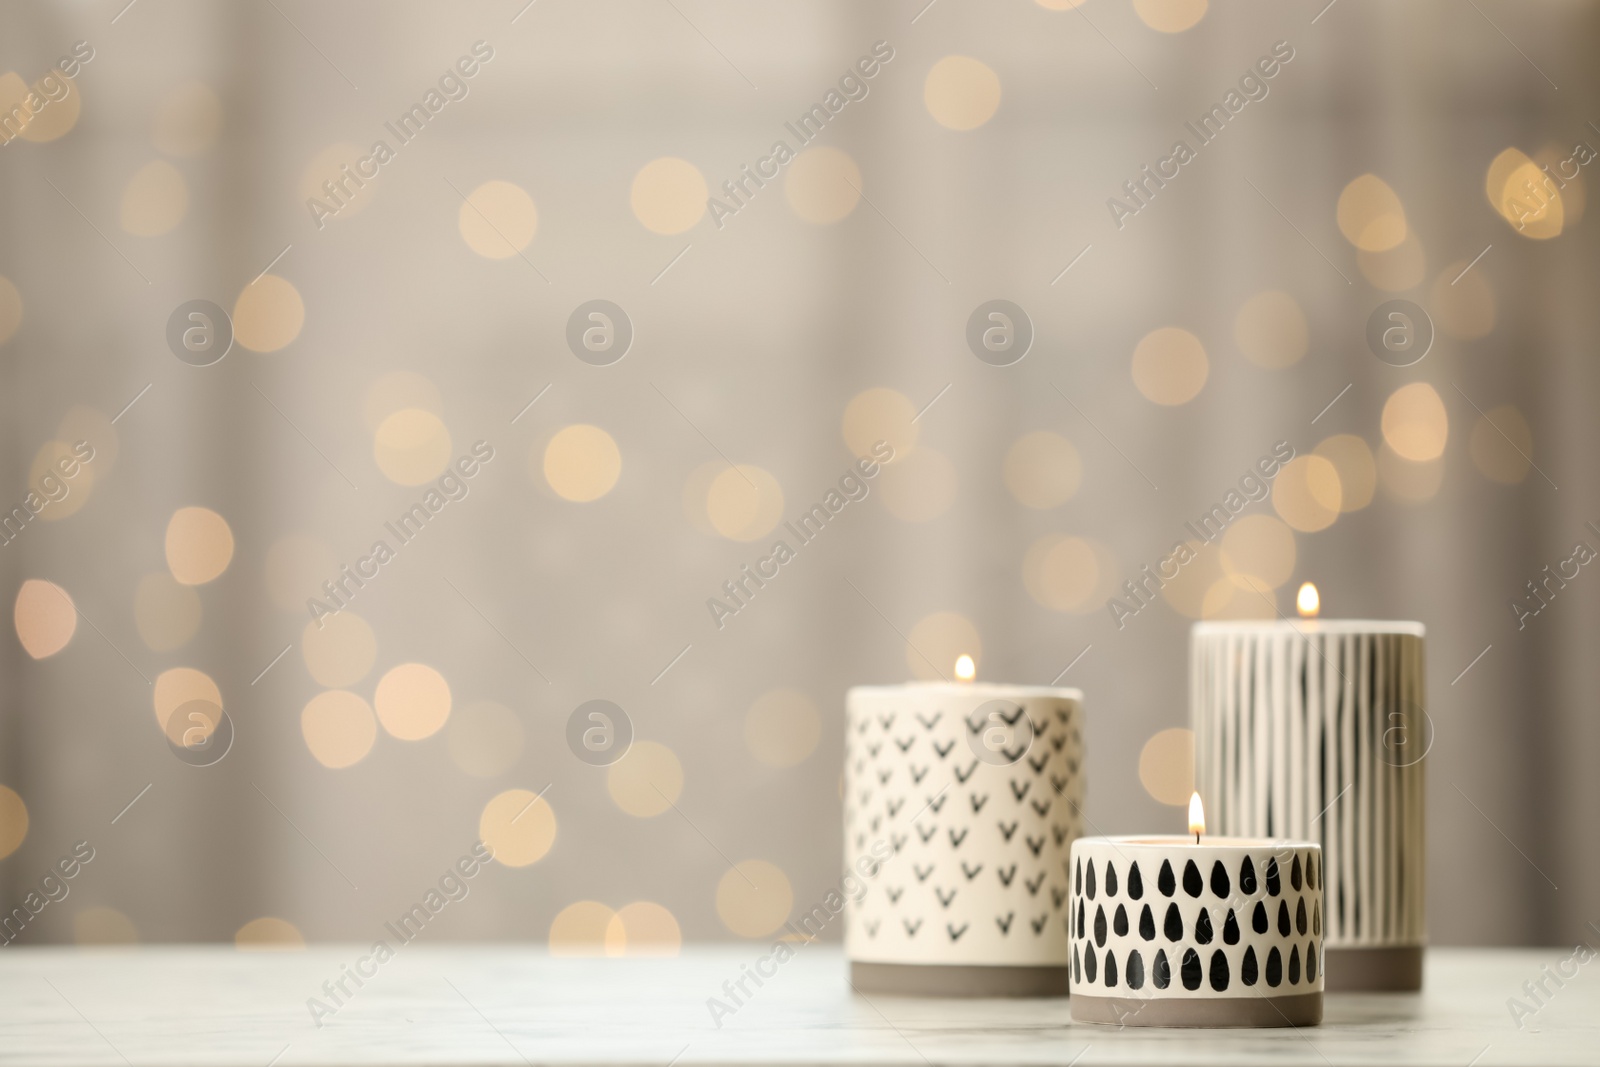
(1042, 470)
(1166, 766)
(339, 649)
(396, 390)
(1261, 547)
(1358, 471)
(1415, 423)
(744, 503)
(782, 728)
(518, 826)
(1170, 16)
(1307, 494)
(754, 898)
(880, 414)
(339, 728)
(935, 642)
(103, 927)
(1370, 215)
(1396, 269)
(412, 701)
(498, 220)
(582, 463)
(643, 928)
(155, 199)
(1065, 573)
(580, 930)
(1524, 195)
(13, 821)
(330, 178)
(646, 781)
(1170, 366)
(1408, 481)
(199, 545)
(961, 93)
(669, 195)
(269, 934)
(411, 446)
(268, 314)
(823, 185)
(178, 687)
(59, 116)
(45, 617)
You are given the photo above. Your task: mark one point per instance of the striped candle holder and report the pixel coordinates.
(1315, 728)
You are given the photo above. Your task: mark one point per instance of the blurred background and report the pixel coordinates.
(254, 758)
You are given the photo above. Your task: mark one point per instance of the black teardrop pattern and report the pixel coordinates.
(1283, 917)
(1274, 885)
(1274, 969)
(1192, 883)
(1316, 918)
(1294, 965)
(1077, 971)
(1248, 970)
(1311, 961)
(1294, 872)
(1191, 969)
(1135, 883)
(1230, 929)
(1080, 916)
(1111, 880)
(1247, 877)
(1135, 971)
(1258, 919)
(1300, 916)
(1203, 933)
(1088, 885)
(1219, 970)
(1111, 967)
(1313, 876)
(1119, 922)
(1161, 970)
(1077, 877)
(1174, 924)
(1090, 964)
(1219, 879)
(1164, 880)
(1147, 924)
(1100, 926)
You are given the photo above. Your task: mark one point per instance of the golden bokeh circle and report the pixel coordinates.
(1166, 766)
(1358, 471)
(178, 686)
(519, 827)
(58, 117)
(1261, 547)
(339, 728)
(1307, 494)
(1271, 330)
(339, 649)
(46, 480)
(498, 220)
(165, 611)
(1501, 445)
(188, 120)
(961, 93)
(1524, 195)
(268, 314)
(155, 200)
(485, 738)
(1415, 423)
(1170, 16)
(880, 414)
(1042, 470)
(199, 545)
(782, 728)
(668, 195)
(395, 391)
(1170, 366)
(580, 929)
(582, 463)
(13, 821)
(1239, 596)
(754, 898)
(45, 617)
(1195, 570)
(1370, 214)
(919, 487)
(823, 185)
(412, 701)
(1064, 573)
(643, 928)
(936, 641)
(103, 927)
(646, 781)
(744, 503)
(268, 934)
(330, 178)
(411, 446)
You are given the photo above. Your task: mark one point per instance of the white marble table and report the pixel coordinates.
(468, 1005)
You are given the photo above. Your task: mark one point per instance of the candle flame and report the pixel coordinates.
(1308, 602)
(966, 670)
(1197, 816)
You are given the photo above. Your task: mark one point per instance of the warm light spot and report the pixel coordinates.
(10, 309)
(339, 649)
(1415, 423)
(643, 928)
(1060, 5)
(187, 689)
(330, 179)
(1064, 573)
(58, 116)
(339, 728)
(45, 617)
(498, 220)
(484, 738)
(199, 545)
(1239, 596)
(1259, 546)
(187, 120)
(646, 781)
(754, 898)
(60, 495)
(154, 200)
(669, 195)
(966, 670)
(268, 314)
(518, 826)
(166, 612)
(13, 821)
(1358, 473)
(1170, 16)
(1170, 366)
(1166, 766)
(103, 927)
(1370, 214)
(1189, 569)
(823, 185)
(1307, 602)
(961, 93)
(1396, 269)
(1271, 330)
(1558, 160)
(1042, 470)
(1462, 305)
(1502, 445)
(744, 503)
(582, 463)
(880, 415)
(1197, 816)
(1524, 195)
(580, 930)
(411, 446)
(268, 934)
(396, 390)
(919, 487)
(937, 640)
(1307, 494)
(1408, 481)
(782, 727)
(296, 566)
(412, 701)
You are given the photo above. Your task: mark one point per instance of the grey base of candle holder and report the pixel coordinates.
(1372, 970)
(1298, 1009)
(958, 980)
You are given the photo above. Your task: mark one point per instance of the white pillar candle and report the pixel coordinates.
(961, 803)
(1315, 728)
(1168, 932)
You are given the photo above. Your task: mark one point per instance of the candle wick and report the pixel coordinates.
(1197, 837)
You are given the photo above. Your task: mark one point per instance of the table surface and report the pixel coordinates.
(512, 1005)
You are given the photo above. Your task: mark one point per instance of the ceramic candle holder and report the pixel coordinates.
(1315, 728)
(1169, 933)
(962, 799)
